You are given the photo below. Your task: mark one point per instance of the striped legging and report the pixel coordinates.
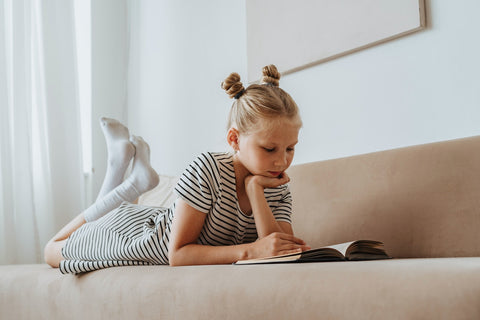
(129, 235)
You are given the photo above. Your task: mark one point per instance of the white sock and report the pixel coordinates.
(120, 152)
(142, 179)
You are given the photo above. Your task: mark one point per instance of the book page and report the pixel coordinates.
(342, 247)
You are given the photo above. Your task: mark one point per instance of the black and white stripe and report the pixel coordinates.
(129, 235)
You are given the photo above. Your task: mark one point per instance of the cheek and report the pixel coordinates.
(254, 158)
(260, 160)
(290, 158)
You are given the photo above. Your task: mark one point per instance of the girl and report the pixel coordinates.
(230, 206)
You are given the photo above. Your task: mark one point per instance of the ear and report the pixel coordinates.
(233, 138)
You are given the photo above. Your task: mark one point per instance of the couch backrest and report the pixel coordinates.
(421, 201)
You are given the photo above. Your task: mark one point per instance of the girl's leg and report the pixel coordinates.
(53, 249)
(142, 179)
(120, 152)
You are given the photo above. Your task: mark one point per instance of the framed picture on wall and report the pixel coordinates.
(295, 35)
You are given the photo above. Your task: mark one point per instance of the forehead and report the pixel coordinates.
(277, 130)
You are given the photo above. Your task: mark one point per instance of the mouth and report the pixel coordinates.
(275, 173)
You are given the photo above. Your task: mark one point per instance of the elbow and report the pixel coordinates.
(52, 254)
(172, 262)
(175, 262)
(175, 258)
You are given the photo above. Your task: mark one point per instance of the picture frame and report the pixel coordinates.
(295, 35)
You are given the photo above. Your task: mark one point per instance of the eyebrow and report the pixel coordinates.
(276, 144)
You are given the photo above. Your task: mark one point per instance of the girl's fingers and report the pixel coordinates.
(291, 251)
(285, 243)
(285, 177)
(272, 182)
(291, 238)
(293, 247)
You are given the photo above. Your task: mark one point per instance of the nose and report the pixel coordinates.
(281, 160)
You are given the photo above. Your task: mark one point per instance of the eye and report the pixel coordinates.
(290, 149)
(269, 149)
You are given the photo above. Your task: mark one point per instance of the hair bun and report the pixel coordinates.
(233, 86)
(271, 75)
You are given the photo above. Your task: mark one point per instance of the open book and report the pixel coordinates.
(355, 250)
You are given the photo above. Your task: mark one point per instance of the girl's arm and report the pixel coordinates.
(187, 225)
(264, 219)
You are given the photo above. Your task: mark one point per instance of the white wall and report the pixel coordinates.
(417, 89)
(180, 53)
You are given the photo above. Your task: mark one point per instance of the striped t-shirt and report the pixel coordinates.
(208, 185)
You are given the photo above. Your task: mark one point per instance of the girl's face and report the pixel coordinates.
(268, 150)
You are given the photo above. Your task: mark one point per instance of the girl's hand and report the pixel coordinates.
(275, 244)
(266, 182)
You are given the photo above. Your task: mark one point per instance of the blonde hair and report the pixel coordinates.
(258, 101)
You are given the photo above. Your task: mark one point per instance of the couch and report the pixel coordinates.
(422, 201)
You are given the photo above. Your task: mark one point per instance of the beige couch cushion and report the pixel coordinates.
(162, 195)
(389, 289)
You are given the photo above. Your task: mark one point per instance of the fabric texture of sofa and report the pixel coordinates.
(422, 201)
